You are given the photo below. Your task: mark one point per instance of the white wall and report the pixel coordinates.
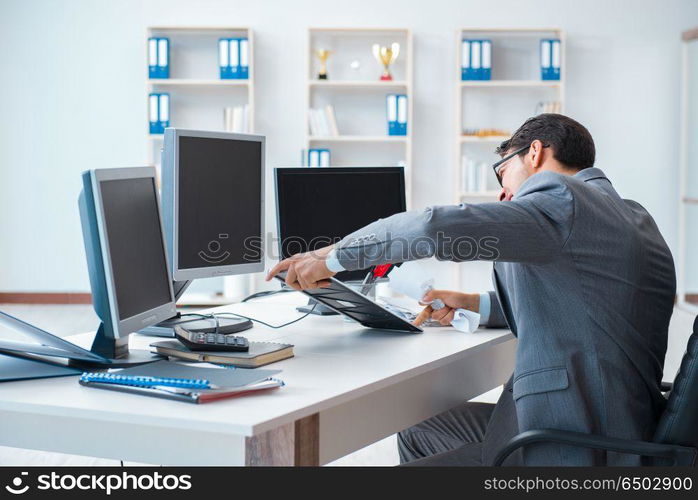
(72, 97)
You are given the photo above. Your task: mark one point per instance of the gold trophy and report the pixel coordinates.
(386, 56)
(322, 54)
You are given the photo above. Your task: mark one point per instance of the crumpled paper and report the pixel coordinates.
(413, 280)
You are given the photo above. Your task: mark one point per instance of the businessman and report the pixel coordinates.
(582, 277)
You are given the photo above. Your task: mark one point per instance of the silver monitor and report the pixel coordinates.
(213, 202)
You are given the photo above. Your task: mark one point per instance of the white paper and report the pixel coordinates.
(413, 280)
(465, 321)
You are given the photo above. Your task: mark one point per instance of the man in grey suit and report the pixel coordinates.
(582, 277)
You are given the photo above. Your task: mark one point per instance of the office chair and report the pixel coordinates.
(675, 441)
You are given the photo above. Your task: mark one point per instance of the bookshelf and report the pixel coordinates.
(197, 94)
(358, 96)
(687, 264)
(500, 104)
(198, 97)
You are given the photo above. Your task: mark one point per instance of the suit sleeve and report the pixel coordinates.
(496, 318)
(532, 228)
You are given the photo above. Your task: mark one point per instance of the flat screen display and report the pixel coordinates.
(136, 247)
(320, 206)
(220, 202)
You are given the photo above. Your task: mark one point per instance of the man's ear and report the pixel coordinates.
(536, 153)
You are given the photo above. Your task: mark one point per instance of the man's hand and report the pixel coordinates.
(305, 270)
(452, 300)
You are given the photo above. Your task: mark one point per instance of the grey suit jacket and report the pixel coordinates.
(585, 281)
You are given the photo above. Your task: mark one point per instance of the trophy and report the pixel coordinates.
(386, 56)
(323, 54)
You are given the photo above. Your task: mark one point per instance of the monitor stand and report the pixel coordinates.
(194, 324)
(116, 352)
(315, 307)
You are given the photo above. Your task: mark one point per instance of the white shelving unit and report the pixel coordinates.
(502, 103)
(687, 272)
(197, 94)
(197, 99)
(356, 92)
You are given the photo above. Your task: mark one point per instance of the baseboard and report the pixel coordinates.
(44, 298)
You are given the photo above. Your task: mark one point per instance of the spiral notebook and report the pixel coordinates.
(260, 353)
(180, 382)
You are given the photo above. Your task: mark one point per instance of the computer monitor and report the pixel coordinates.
(126, 258)
(213, 213)
(319, 206)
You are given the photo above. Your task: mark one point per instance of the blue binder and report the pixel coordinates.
(486, 59)
(391, 113)
(546, 57)
(163, 57)
(244, 59)
(154, 113)
(465, 69)
(313, 158)
(224, 58)
(164, 112)
(401, 127)
(152, 58)
(476, 59)
(234, 54)
(555, 59)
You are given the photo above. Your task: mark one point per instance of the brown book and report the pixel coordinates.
(260, 353)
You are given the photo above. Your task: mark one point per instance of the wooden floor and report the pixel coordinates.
(65, 320)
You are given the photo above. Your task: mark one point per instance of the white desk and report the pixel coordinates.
(346, 387)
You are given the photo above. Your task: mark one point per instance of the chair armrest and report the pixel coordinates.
(681, 455)
(666, 386)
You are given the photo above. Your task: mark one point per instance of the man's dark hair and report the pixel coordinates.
(569, 140)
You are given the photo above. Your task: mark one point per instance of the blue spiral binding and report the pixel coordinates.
(142, 381)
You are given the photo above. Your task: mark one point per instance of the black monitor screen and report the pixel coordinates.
(220, 201)
(134, 234)
(319, 206)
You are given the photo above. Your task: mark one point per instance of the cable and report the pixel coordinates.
(266, 293)
(267, 324)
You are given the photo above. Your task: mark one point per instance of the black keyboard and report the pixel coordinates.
(200, 341)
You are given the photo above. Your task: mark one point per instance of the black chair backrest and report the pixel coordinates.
(679, 422)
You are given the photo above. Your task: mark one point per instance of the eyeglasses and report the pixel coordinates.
(497, 166)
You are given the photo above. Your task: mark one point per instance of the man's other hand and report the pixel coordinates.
(305, 270)
(452, 300)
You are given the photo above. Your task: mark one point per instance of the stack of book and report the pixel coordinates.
(473, 175)
(548, 107)
(237, 119)
(323, 122)
(180, 382)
